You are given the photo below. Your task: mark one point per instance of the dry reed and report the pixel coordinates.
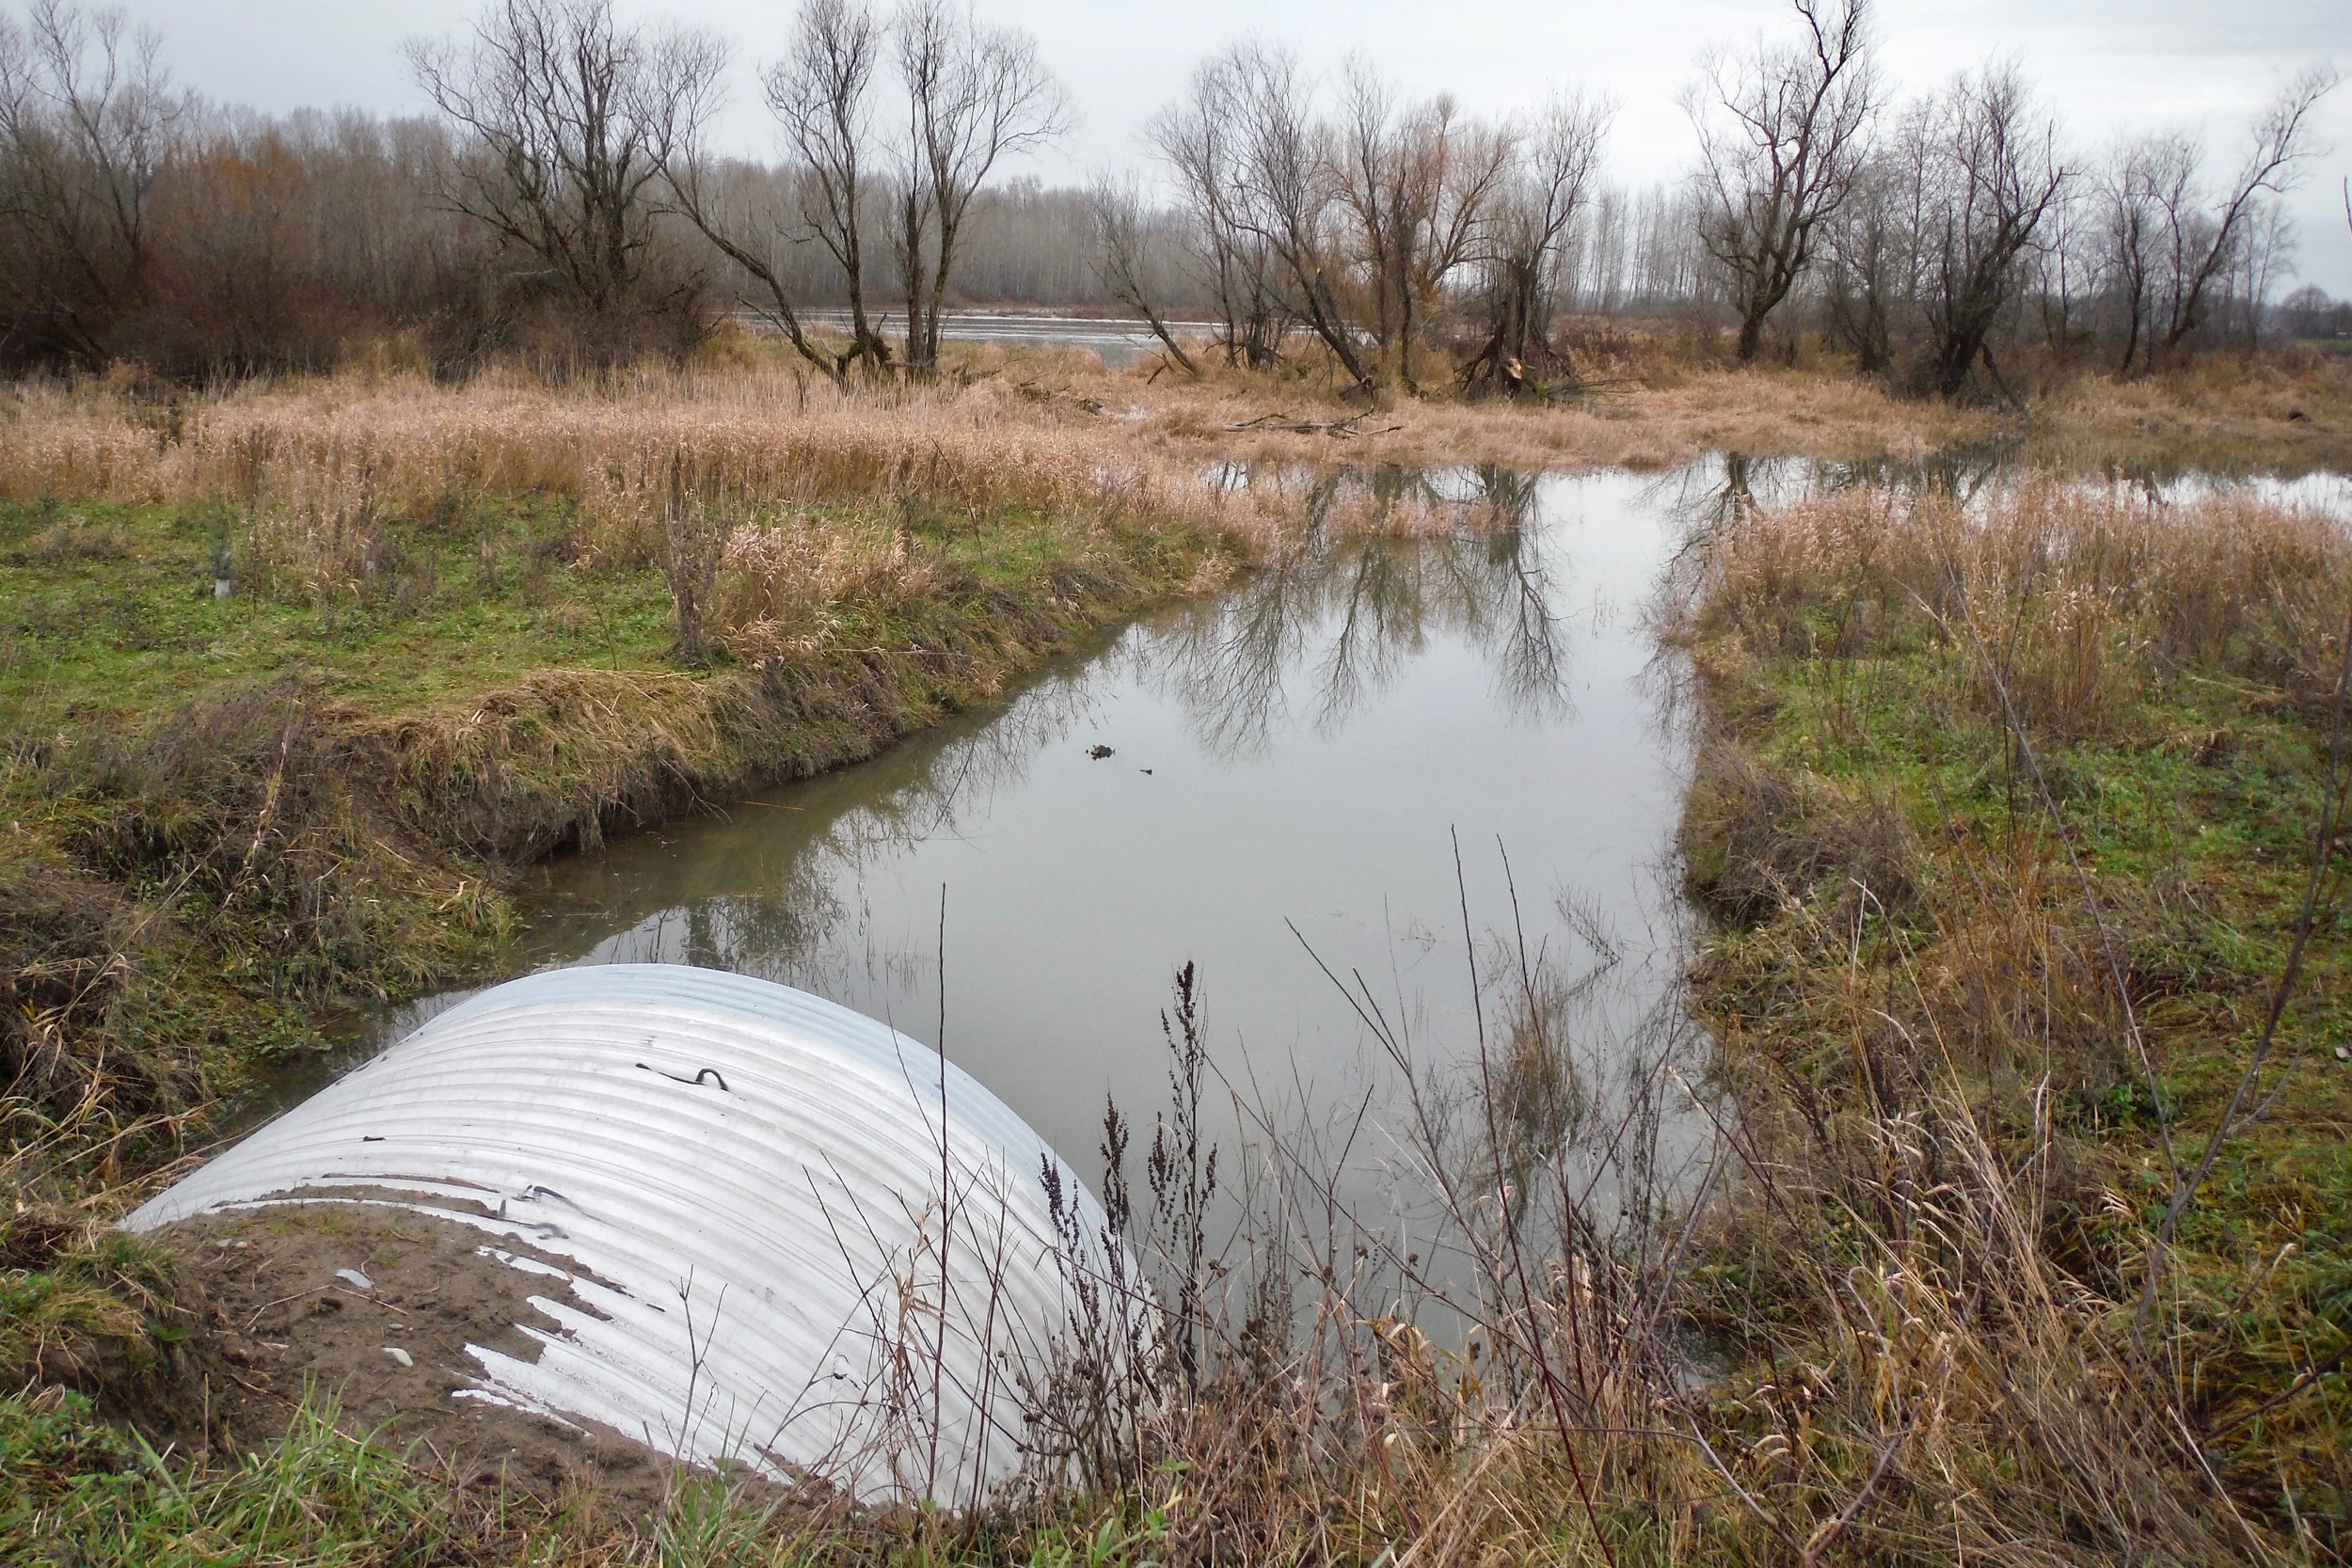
(1909, 1275)
(1957, 1053)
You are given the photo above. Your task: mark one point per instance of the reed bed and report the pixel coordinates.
(2083, 593)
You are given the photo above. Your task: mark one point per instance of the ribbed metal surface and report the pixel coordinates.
(747, 1182)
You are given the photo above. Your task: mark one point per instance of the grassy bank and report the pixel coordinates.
(2007, 816)
(453, 635)
(2025, 822)
(1650, 398)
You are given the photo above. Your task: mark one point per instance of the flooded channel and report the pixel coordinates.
(1339, 787)
(1309, 778)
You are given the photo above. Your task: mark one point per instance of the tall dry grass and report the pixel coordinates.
(1843, 1338)
(1032, 427)
(412, 445)
(1892, 1322)
(1974, 1064)
(1892, 1317)
(767, 500)
(179, 880)
(2079, 594)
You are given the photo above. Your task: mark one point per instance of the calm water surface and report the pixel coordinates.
(1292, 763)
(1117, 340)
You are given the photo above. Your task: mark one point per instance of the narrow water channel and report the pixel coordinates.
(1273, 784)
(1270, 783)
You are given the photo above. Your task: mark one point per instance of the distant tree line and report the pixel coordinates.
(565, 197)
(2308, 313)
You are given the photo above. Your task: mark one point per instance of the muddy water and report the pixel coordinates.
(1273, 784)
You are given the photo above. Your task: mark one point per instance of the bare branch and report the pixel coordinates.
(1783, 131)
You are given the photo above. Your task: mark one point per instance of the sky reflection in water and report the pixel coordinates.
(1292, 761)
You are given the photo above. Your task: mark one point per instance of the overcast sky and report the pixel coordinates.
(2102, 65)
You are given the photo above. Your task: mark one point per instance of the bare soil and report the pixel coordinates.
(273, 1320)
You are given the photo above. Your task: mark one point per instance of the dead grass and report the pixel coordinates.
(1772, 841)
(2081, 592)
(197, 868)
(1055, 428)
(1973, 1052)
(1632, 424)
(1895, 1323)
(1655, 395)
(362, 443)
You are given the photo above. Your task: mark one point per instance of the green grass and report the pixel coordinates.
(110, 609)
(2191, 800)
(84, 1495)
(148, 842)
(224, 822)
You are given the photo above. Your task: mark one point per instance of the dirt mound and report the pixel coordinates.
(377, 1306)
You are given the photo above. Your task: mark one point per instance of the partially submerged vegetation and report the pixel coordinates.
(2018, 818)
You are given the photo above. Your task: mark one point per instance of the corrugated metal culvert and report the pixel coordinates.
(790, 1236)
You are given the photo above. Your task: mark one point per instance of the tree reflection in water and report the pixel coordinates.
(775, 888)
(1326, 624)
(1314, 636)
(1317, 727)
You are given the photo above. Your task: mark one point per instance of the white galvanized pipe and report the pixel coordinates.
(792, 1238)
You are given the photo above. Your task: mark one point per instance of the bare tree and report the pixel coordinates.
(2269, 248)
(2144, 180)
(1119, 257)
(1872, 252)
(89, 121)
(569, 186)
(2311, 312)
(1419, 183)
(820, 94)
(2064, 264)
(1547, 193)
(2199, 252)
(1783, 130)
(1285, 196)
(1996, 177)
(975, 95)
(2167, 242)
(570, 116)
(1196, 137)
(740, 221)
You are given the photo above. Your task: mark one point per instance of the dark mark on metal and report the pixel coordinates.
(710, 1072)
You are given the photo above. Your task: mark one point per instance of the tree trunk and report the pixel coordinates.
(1751, 337)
